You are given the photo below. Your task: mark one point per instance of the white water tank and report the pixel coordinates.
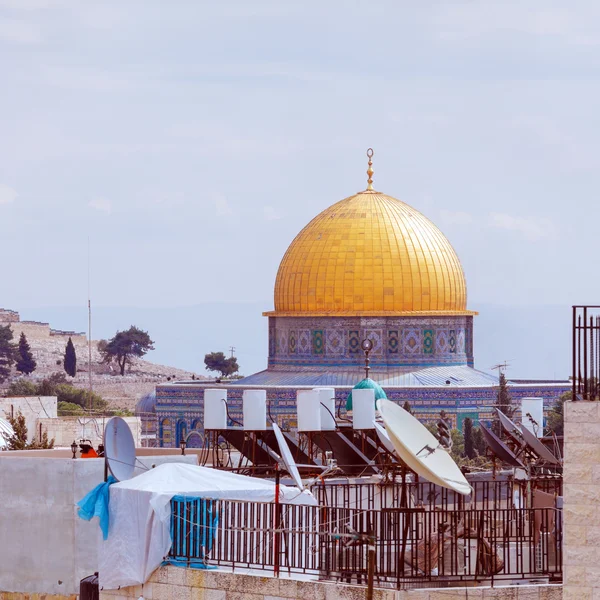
(534, 407)
(255, 410)
(309, 410)
(363, 409)
(215, 409)
(327, 405)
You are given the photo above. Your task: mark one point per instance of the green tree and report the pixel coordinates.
(468, 435)
(21, 387)
(556, 418)
(69, 409)
(19, 440)
(25, 362)
(127, 344)
(70, 394)
(504, 403)
(8, 352)
(216, 361)
(48, 385)
(70, 359)
(479, 441)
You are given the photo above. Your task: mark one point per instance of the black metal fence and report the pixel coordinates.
(586, 353)
(487, 494)
(411, 547)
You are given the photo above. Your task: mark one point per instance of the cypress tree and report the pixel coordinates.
(70, 360)
(468, 435)
(503, 403)
(8, 352)
(25, 362)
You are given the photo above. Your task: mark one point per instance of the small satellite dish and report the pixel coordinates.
(384, 438)
(499, 448)
(420, 450)
(537, 447)
(119, 449)
(287, 458)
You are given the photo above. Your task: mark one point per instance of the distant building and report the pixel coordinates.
(368, 267)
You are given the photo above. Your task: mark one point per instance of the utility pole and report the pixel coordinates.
(232, 350)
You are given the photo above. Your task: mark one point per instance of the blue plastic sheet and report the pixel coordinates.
(194, 522)
(95, 504)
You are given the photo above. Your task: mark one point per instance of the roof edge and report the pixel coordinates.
(375, 313)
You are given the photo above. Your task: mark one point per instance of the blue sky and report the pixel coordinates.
(190, 141)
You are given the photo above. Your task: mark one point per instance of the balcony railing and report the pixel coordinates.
(586, 353)
(396, 547)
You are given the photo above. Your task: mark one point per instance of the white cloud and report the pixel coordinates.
(456, 217)
(222, 207)
(7, 194)
(19, 32)
(531, 228)
(101, 204)
(270, 213)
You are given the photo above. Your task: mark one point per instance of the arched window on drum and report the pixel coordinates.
(181, 432)
(165, 439)
(196, 435)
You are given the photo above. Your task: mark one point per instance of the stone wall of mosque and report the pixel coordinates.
(397, 341)
(180, 407)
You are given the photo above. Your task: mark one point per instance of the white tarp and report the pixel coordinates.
(140, 510)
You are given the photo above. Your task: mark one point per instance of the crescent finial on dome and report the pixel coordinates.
(370, 169)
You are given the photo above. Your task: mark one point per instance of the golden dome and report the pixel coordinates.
(370, 255)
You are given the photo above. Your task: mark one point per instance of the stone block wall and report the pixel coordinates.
(66, 429)
(32, 408)
(582, 501)
(175, 583)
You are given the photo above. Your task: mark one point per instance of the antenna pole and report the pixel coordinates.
(89, 334)
(277, 541)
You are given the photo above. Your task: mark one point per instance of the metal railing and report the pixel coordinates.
(410, 547)
(586, 353)
(487, 494)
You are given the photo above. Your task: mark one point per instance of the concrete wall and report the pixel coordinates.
(44, 547)
(32, 408)
(66, 429)
(176, 583)
(581, 560)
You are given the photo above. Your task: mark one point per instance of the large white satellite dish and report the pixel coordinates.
(420, 449)
(287, 458)
(6, 432)
(384, 438)
(119, 449)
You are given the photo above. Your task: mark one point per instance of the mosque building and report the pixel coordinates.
(369, 267)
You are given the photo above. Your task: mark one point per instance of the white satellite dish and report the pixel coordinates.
(420, 449)
(6, 432)
(287, 458)
(384, 438)
(119, 449)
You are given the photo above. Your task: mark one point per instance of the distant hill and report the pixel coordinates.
(535, 340)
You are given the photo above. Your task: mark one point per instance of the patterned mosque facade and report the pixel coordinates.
(369, 267)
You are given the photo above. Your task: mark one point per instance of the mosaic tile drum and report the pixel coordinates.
(368, 267)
